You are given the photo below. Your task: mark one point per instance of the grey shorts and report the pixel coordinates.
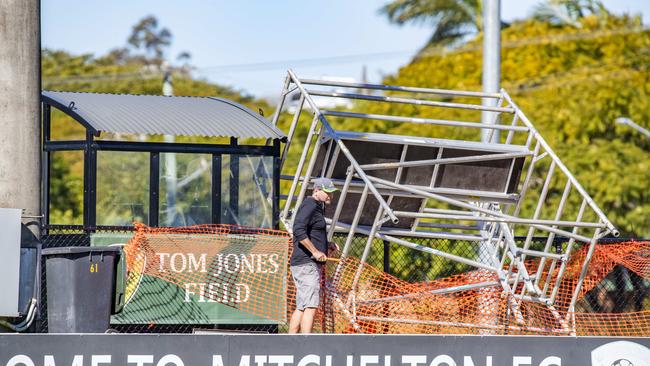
(307, 279)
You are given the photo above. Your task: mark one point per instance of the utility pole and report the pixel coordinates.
(488, 308)
(20, 89)
(491, 62)
(170, 160)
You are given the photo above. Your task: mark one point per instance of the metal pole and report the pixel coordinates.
(583, 273)
(549, 241)
(292, 130)
(339, 204)
(283, 96)
(491, 61)
(491, 76)
(426, 121)
(171, 175)
(301, 163)
(442, 161)
(408, 89)
(430, 103)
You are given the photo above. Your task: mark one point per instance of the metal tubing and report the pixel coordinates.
(441, 291)
(339, 205)
(543, 255)
(471, 207)
(439, 253)
(524, 187)
(301, 163)
(491, 136)
(428, 121)
(564, 264)
(491, 196)
(504, 218)
(538, 210)
(583, 273)
(409, 233)
(283, 97)
(351, 232)
(542, 156)
(400, 88)
(445, 211)
(310, 168)
(428, 103)
(460, 325)
(432, 184)
(444, 161)
(355, 222)
(521, 268)
(511, 133)
(346, 312)
(344, 148)
(325, 160)
(430, 234)
(549, 241)
(366, 251)
(562, 167)
(491, 74)
(332, 160)
(448, 226)
(292, 130)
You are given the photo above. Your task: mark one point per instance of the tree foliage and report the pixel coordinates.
(451, 19)
(124, 72)
(572, 83)
(570, 12)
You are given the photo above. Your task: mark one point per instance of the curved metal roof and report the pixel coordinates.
(153, 114)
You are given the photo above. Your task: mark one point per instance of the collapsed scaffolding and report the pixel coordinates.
(396, 187)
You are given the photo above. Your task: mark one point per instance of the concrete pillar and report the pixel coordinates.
(20, 86)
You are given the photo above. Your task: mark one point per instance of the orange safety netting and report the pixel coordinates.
(247, 269)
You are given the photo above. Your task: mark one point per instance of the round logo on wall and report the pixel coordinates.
(621, 353)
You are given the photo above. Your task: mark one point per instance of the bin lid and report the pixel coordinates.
(77, 250)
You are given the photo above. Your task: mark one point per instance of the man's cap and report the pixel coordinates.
(325, 184)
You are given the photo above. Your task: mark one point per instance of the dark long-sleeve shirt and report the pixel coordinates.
(309, 223)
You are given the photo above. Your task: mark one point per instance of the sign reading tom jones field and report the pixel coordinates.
(222, 264)
(206, 279)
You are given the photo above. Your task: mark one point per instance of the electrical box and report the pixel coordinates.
(10, 254)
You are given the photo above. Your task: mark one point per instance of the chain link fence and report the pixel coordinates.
(621, 291)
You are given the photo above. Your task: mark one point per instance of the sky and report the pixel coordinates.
(249, 45)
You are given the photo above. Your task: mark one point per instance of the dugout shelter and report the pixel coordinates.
(160, 180)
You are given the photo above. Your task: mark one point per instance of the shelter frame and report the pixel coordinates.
(90, 147)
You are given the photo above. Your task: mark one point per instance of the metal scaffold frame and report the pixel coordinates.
(479, 215)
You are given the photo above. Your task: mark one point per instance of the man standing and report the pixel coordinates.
(309, 254)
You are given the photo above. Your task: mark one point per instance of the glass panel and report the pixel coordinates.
(253, 203)
(122, 188)
(66, 187)
(64, 127)
(185, 189)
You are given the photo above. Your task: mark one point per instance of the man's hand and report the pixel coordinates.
(333, 246)
(319, 256)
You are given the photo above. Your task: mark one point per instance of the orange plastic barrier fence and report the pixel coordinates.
(247, 269)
